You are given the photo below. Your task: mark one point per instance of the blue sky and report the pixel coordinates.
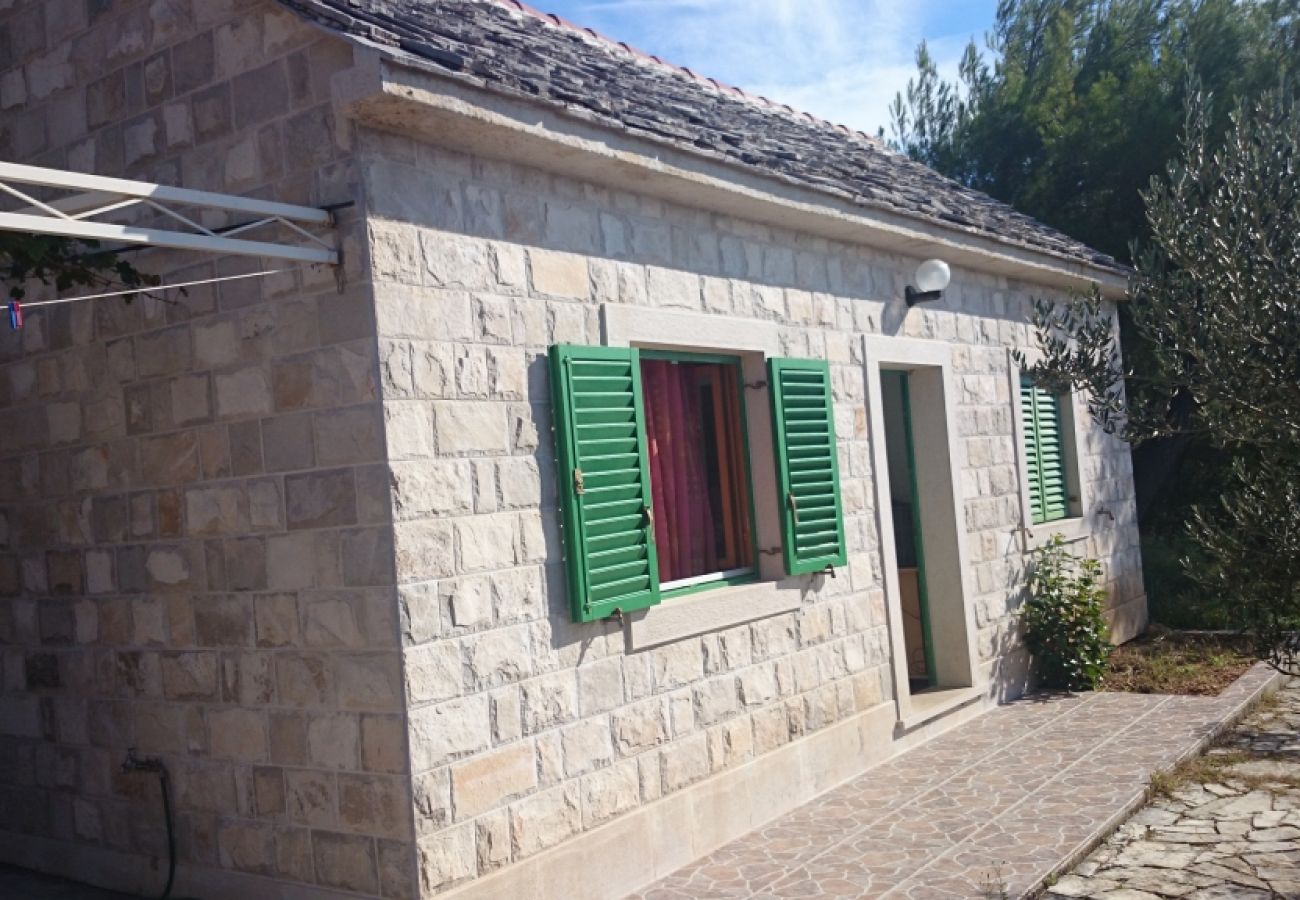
(842, 60)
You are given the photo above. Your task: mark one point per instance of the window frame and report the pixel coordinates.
(734, 359)
(1076, 525)
(754, 341)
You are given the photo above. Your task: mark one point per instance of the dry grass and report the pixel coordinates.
(1197, 770)
(1217, 765)
(1175, 663)
(1218, 768)
(993, 884)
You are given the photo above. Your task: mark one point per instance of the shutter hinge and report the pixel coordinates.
(794, 506)
(578, 486)
(755, 385)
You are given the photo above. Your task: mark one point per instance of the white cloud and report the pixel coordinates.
(859, 94)
(842, 60)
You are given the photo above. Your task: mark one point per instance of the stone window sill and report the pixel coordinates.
(712, 610)
(1074, 529)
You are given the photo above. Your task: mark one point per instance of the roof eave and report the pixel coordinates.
(390, 90)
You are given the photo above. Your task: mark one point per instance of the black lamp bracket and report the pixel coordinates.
(913, 296)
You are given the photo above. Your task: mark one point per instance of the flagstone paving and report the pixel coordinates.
(1003, 802)
(1007, 801)
(1237, 835)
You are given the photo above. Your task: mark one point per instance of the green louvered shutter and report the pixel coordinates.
(1027, 391)
(1051, 456)
(807, 466)
(604, 481)
(1044, 453)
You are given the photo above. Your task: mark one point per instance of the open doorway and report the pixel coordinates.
(909, 544)
(933, 647)
(919, 459)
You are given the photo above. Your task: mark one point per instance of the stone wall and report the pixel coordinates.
(526, 729)
(302, 544)
(194, 510)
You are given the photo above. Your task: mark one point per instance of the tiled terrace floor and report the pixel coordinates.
(1008, 799)
(1029, 787)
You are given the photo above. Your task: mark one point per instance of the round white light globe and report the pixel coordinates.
(932, 275)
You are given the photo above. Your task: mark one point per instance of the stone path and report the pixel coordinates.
(1235, 835)
(1000, 803)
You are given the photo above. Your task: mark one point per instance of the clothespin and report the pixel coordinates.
(15, 315)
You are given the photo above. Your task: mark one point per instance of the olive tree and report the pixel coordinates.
(1216, 294)
(64, 263)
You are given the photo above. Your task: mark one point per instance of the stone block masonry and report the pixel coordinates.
(197, 551)
(526, 729)
(303, 544)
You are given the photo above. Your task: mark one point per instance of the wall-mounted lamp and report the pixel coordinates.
(932, 276)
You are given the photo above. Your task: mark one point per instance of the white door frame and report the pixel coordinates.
(940, 450)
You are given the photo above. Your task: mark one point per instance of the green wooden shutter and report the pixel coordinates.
(1051, 456)
(1027, 403)
(1044, 453)
(604, 480)
(807, 465)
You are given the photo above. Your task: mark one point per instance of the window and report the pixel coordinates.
(654, 473)
(699, 473)
(1045, 456)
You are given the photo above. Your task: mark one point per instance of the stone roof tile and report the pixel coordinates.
(511, 48)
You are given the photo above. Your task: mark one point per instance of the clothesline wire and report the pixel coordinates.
(151, 288)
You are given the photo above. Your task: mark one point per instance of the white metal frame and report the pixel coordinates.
(96, 195)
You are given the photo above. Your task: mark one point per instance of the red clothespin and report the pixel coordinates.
(15, 315)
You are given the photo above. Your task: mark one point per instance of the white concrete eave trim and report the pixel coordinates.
(399, 95)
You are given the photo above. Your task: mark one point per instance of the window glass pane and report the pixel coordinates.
(698, 482)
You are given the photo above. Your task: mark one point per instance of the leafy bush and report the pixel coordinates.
(1174, 598)
(1214, 298)
(1064, 628)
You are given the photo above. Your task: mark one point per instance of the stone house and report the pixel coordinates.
(617, 503)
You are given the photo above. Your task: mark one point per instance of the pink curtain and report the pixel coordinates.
(652, 386)
(684, 524)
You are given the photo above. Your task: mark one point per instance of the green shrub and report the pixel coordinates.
(1064, 628)
(1174, 598)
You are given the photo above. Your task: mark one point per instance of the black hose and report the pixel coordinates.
(155, 765)
(171, 835)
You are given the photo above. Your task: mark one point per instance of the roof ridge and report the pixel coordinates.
(641, 55)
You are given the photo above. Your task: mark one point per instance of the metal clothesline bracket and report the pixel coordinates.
(86, 199)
